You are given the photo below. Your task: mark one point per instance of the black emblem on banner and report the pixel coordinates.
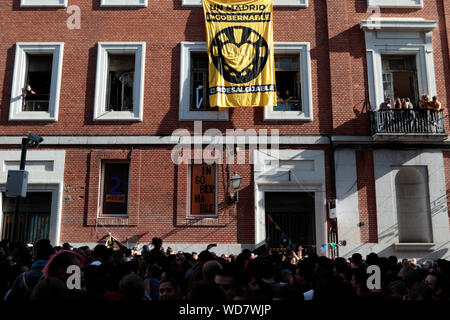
(235, 39)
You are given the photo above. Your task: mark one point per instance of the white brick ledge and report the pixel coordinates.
(165, 140)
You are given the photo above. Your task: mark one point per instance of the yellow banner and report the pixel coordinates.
(239, 39)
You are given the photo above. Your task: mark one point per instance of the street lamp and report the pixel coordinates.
(33, 140)
(236, 183)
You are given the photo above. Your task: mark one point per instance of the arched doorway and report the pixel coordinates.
(413, 206)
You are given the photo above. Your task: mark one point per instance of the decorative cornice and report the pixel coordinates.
(398, 24)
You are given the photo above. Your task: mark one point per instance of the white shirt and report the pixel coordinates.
(308, 295)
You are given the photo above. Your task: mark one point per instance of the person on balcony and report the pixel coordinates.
(407, 104)
(398, 103)
(386, 104)
(28, 91)
(385, 118)
(424, 102)
(435, 104)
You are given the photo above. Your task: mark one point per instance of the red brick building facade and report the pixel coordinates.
(329, 149)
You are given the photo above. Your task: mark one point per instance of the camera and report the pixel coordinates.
(34, 139)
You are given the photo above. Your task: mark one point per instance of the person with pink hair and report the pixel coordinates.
(53, 284)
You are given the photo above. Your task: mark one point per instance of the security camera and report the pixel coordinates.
(34, 139)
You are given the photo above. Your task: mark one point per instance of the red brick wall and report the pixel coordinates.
(163, 25)
(332, 28)
(158, 205)
(366, 196)
(348, 80)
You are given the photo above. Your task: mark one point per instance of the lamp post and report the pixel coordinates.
(32, 140)
(236, 183)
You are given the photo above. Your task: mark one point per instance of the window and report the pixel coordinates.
(277, 3)
(203, 191)
(120, 81)
(114, 188)
(193, 85)
(119, 95)
(395, 3)
(123, 3)
(413, 210)
(43, 3)
(399, 58)
(200, 84)
(36, 95)
(36, 81)
(400, 77)
(291, 55)
(288, 83)
(293, 78)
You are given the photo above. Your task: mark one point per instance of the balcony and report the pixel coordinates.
(36, 102)
(406, 125)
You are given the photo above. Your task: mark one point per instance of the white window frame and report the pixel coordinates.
(395, 3)
(19, 77)
(43, 3)
(184, 113)
(100, 213)
(195, 216)
(306, 114)
(276, 3)
(123, 3)
(101, 82)
(301, 48)
(399, 36)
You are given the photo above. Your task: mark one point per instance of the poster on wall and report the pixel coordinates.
(203, 190)
(239, 40)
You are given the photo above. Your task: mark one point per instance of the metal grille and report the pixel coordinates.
(34, 216)
(407, 121)
(293, 212)
(32, 227)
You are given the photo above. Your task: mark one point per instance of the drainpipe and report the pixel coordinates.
(333, 190)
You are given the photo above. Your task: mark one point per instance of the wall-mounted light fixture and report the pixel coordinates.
(236, 184)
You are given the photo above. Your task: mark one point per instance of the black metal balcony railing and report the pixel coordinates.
(36, 102)
(407, 121)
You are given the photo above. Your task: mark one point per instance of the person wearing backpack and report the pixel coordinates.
(26, 281)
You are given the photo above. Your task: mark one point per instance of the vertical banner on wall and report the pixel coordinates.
(203, 190)
(239, 39)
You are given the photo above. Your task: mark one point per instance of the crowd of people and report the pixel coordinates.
(39, 272)
(405, 103)
(426, 116)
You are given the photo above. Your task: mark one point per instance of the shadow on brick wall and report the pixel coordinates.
(359, 125)
(7, 81)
